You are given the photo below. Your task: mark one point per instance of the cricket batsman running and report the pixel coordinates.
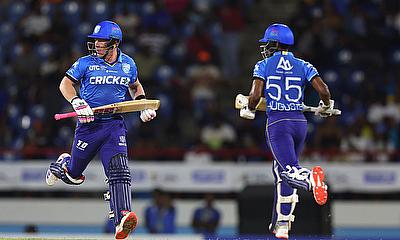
(104, 76)
(283, 78)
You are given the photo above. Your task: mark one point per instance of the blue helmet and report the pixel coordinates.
(274, 36)
(280, 33)
(107, 30)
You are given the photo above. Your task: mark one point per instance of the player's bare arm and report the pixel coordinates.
(136, 89)
(255, 92)
(137, 92)
(249, 109)
(325, 108)
(320, 86)
(85, 113)
(67, 89)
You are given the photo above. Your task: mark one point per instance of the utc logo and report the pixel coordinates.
(284, 64)
(94, 67)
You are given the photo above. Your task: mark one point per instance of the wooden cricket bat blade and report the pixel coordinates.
(120, 107)
(131, 106)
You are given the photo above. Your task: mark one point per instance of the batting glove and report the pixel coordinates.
(85, 113)
(242, 101)
(247, 113)
(325, 110)
(147, 115)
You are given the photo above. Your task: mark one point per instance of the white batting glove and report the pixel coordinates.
(85, 113)
(247, 113)
(147, 115)
(242, 101)
(325, 110)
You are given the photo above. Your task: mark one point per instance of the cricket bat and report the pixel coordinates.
(242, 100)
(120, 107)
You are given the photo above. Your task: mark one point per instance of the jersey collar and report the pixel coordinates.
(283, 53)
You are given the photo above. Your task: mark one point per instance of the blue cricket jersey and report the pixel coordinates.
(102, 83)
(285, 77)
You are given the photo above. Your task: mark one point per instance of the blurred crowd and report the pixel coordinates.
(190, 54)
(355, 46)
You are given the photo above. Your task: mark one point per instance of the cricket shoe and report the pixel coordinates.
(126, 226)
(51, 179)
(319, 188)
(281, 230)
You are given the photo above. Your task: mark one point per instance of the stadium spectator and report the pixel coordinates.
(160, 215)
(206, 219)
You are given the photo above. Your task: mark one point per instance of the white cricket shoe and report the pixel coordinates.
(281, 230)
(51, 179)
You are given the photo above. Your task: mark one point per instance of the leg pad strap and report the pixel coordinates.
(61, 171)
(293, 199)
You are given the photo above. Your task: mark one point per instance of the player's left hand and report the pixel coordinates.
(325, 110)
(247, 113)
(147, 115)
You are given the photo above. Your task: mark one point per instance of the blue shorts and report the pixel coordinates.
(286, 133)
(106, 137)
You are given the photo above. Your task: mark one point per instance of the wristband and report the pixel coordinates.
(140, 97)
(72, 99)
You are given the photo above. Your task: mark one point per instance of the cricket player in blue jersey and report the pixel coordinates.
(281, 78)
(105, 76)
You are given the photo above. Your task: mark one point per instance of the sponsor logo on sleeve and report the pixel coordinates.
(75, 64)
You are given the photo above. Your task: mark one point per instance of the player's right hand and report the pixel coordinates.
(85, 113)
(147, 115)
(247, 113)
(325, 110)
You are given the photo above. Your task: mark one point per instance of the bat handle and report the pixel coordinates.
(337, 112)
(60, 116)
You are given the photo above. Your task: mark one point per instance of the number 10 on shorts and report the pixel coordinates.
(81, 145)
